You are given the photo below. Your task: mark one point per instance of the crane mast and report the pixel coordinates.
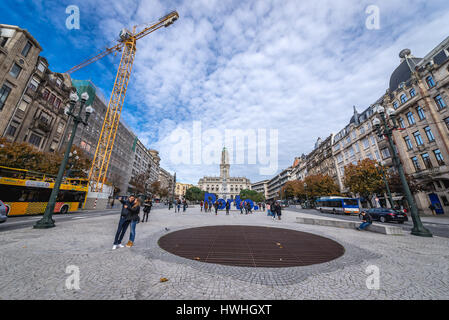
(127, 44)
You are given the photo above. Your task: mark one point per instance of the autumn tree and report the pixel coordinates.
(319, 185)
(364, 178)
(22, 155)
(395, 183)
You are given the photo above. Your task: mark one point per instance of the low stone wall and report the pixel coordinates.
(379, 228)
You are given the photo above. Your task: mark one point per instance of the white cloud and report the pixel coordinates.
(295, 66)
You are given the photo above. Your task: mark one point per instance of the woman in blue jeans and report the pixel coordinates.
(134, 219)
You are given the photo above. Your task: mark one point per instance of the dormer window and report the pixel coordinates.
(430, 82)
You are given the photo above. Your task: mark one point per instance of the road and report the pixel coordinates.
(437, 229)
(28, 221)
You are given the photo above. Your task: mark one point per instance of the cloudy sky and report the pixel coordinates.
(295, 66)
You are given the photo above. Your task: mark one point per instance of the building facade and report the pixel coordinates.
(225, 186)
(261, 187)
(181, 188)
(419, 94)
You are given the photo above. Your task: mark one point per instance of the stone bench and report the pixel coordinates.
(379, 228)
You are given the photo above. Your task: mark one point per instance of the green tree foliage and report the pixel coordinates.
(252, 195)
(195, 194)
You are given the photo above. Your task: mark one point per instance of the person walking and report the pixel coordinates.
(263, 206)
(134, 219)
(206, 206)
(123, 222)
(366, 221)
(248, 207)
(201, 205)
(268, 209)
(241, 207)
(216, 207)
(184, 205)
(228, 206)
(277, 210)
(146, 209)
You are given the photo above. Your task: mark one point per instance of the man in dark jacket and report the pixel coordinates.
(123, 223)
(366, 220)
(228, 206)
(278, 210)
(146, 209)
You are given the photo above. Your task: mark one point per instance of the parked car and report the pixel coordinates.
(387, 215)
(283, 203)
(4, 210)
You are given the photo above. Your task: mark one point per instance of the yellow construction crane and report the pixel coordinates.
(127, 44)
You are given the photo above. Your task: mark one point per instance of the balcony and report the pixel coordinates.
(42, 125)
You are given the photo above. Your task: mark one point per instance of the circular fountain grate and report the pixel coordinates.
(249, 246)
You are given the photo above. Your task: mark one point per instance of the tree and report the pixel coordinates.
(155, 187)
(319, 185)
(22, 155)
(291, 189)
(195, 194)
(141, 183)
(163, 193)
(254, 196)
(364, 178)
(395, 183)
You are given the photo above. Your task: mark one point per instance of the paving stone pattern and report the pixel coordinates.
(34, 262)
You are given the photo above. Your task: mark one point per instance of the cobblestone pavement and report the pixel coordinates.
(34, 262)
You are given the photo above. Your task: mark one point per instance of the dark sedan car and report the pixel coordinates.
(387, 215)
(3, 212)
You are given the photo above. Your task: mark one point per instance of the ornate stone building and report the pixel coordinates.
(419, 92)
(225, 186)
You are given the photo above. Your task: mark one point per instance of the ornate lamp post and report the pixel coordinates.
(47, 221)
(387, 131)
(381, 170)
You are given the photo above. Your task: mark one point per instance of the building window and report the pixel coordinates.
(426, 159)
(52, 99)
(421, 113)
(385, 153)
(45, 94)
(418, 138)
(26, 49)
(416, 164)
(408, 143)
(403, 98)
(15, 70)
(5, 34)
(410, 118)
(365, 143)
(33, 84)
(12, 128)
(430, 82)
(35, 140)
(362, 130)
(429, 134)
(23, 105)
(41, 67)
(377, 155)
(440, 102)
(4, 93)
(401, 123)
(439, 157)
(61, 126)
(395, 105)
(412, 92)
(373, 140)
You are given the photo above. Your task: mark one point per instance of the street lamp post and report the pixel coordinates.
(387, 131)
(47, 221)
(380, 168)
(307, 197)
